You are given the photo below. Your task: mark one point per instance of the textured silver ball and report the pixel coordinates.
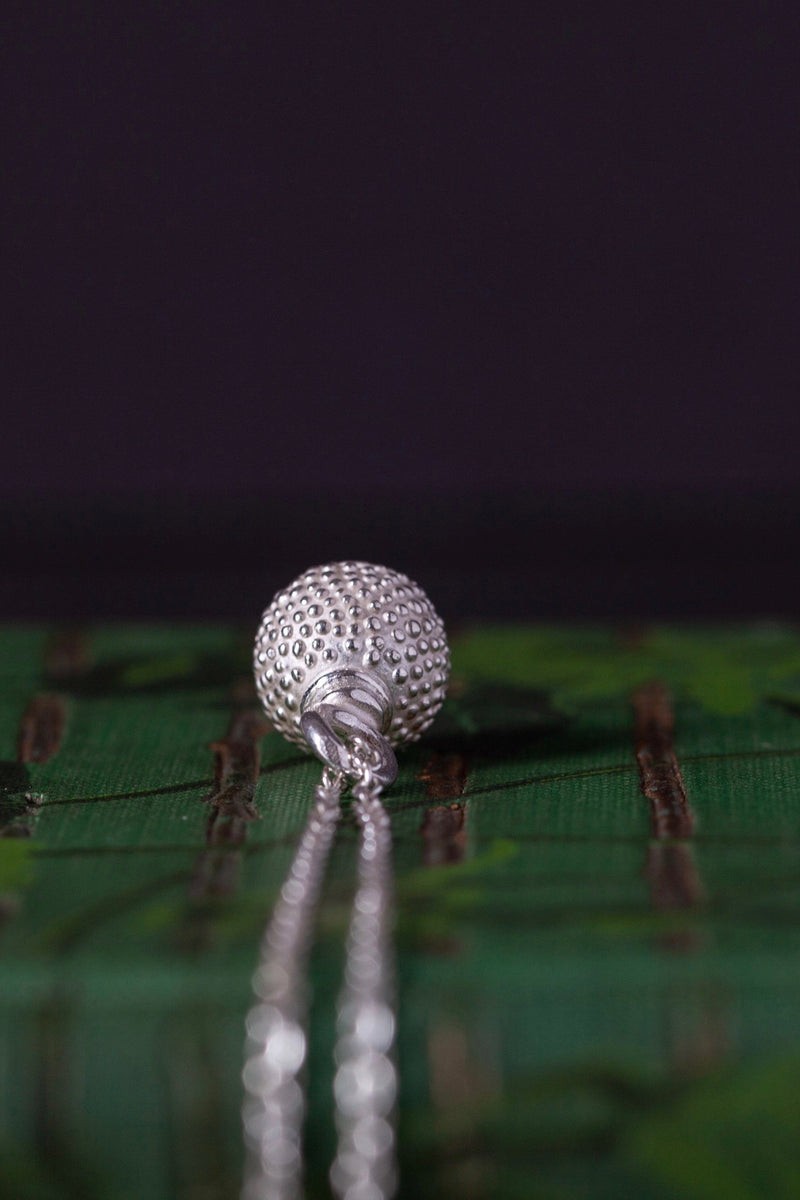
(352, 616)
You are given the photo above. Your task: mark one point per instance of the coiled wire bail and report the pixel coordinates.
(345, 716)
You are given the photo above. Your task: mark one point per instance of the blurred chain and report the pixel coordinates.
(365, 1085)
(275, 1052)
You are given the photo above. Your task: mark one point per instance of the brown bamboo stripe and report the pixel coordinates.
(443, 827)
(444, 835)
(444, 776)
(41, 729)
(237, 761)
(671, 869)
(39, 737)
(659, 772)
(673, 876)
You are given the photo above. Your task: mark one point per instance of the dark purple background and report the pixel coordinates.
(267, 254)
(556, 243)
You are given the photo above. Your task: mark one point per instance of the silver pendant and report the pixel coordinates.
(350, 660)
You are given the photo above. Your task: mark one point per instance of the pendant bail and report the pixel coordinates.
(341, 707)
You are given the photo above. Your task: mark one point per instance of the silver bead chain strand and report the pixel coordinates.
(365, 1085)
(275, 1052)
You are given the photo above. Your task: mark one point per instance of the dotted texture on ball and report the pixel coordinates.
(352, 616)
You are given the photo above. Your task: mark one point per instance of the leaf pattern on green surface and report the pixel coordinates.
(726, 672)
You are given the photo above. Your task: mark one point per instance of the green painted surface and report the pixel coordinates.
(561, 1035)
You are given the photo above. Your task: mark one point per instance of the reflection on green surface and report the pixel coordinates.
(573, 1022)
